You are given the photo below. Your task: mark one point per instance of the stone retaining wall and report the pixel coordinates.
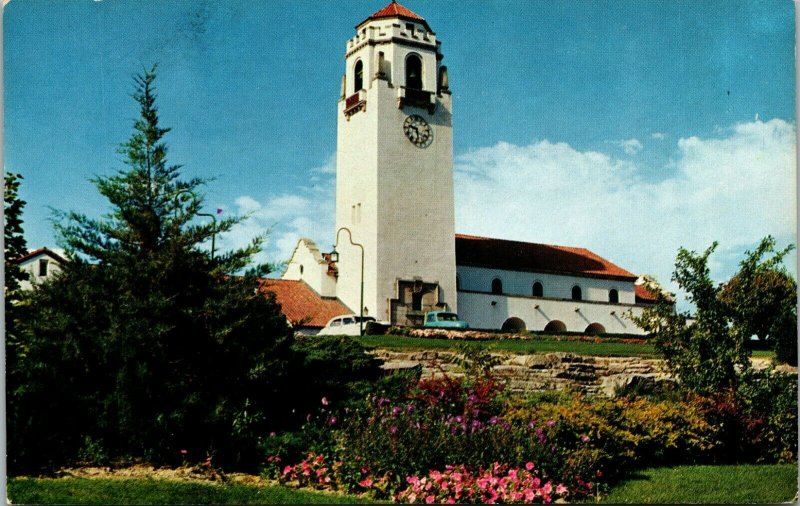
(554, 371)
(550, 371)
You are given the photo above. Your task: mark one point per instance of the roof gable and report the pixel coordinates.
(301, 304)
(531, 257)
(39, 252)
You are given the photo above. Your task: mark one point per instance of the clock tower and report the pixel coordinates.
(394, 171)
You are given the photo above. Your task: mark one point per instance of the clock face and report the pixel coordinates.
(418, 131)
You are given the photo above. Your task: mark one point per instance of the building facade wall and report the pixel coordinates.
(34, 269)
(488, 311)
(555, 286)
(308, 265)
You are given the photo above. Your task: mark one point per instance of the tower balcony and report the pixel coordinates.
(355, 102)
(416, 98)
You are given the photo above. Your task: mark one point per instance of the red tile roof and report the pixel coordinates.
(395, 10)
(525, 256)
(643, 295)
(301, 305)
(41, 251)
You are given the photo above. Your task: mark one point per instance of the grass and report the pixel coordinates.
(538, 345)
(741, 484)
(152, 491)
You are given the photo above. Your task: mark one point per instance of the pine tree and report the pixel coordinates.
(145, 345)
(15, 244)
(15, 247)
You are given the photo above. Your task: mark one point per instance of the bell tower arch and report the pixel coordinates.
(394, 169)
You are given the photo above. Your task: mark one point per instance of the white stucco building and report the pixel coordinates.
(40, 265)
(394, 199)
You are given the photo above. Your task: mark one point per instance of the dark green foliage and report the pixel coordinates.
(705, 353)
(144, 345)
(15, 247)
(338, 368)
(770, 401)
(761, 299)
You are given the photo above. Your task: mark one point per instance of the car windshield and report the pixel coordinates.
(448, 317)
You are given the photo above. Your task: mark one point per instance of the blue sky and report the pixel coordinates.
(627, 127)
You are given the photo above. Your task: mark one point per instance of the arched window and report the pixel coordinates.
(613, 296)
(414, 72)
(576, 293)
(359, 76)
(538, 289)
(497, 286)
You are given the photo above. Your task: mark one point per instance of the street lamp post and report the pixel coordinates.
(213, 234)
(208, 215)
(335, 259)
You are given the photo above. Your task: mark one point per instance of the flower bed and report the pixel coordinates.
(470, 441)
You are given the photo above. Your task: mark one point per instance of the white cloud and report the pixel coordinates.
(286, 218)
(659, 136)
(629, 146)
(734, 189)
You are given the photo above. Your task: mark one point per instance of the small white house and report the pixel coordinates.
(40, 265)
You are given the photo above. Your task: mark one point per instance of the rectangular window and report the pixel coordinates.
(43, 267)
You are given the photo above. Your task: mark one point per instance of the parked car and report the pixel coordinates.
(345, 325)
(444, 320)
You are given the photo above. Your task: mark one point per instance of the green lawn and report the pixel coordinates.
(151, 491)
(743, 484)
(537, 345)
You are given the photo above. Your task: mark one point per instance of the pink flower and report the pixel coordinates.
(287, 470)
(412, 498)
(551, 423)
(184, 452)
(585, 439)
(430, 499)
(325, 401)
(561, 489)
(529, 466)
(366, 483)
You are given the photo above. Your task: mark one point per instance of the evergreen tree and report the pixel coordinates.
(15, 247)
(144, 345)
